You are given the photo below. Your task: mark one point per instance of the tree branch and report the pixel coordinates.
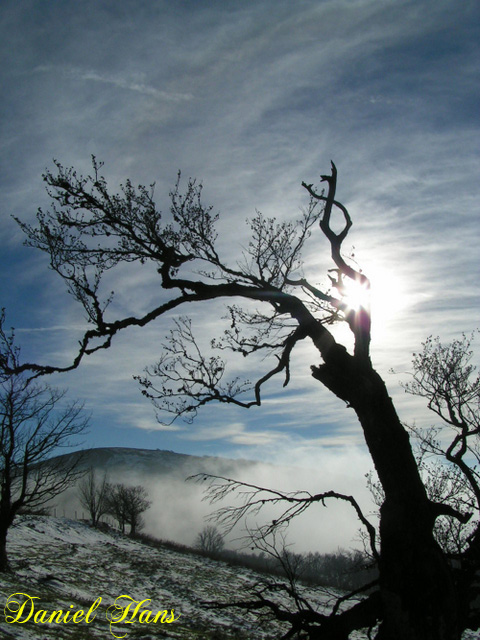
(255, 497)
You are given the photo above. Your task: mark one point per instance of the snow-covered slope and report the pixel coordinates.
(68, 565)
(60, 564)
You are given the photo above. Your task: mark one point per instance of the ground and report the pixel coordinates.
(64, 563)
(68, 565)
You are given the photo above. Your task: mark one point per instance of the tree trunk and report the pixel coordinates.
(417, 587)
(416, 582)
(4, 566)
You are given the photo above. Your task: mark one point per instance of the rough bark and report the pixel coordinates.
(417, 586)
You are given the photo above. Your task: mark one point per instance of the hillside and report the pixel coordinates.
(163, 474)
(155, 461)
(176, 502)
(68, 565)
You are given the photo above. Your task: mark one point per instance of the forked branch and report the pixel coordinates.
(187, 379)
(365, 614)
(358, 319)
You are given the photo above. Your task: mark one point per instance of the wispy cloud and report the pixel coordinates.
(235, 433)
(252, 100)
(134, 83)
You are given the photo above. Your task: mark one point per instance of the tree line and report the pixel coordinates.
(125, 503)
(343, 569)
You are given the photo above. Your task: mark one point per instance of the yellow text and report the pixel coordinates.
(126, 610)
(20, 608)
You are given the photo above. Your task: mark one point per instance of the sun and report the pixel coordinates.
(356, 294)
(383, 296)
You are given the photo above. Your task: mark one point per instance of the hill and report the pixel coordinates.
(68, 565)
(132, 461)
(178, 510)
(175, 502)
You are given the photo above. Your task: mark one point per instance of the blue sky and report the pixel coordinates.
(251, 98)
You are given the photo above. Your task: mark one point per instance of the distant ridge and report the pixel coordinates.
(151, 462)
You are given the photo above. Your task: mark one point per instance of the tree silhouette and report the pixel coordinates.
(92, 495)
(126, 504)
(272, 307)
(210, 541)
(35, 424)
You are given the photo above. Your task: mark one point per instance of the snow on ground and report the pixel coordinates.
(68, 565)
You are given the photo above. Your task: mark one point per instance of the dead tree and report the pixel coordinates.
(136, 503)
(89, 232)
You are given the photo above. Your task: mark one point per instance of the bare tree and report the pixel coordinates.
(89, 232)
(92, 494)
(115, 504)
(444, 375)
(34, 424)
(126, 504)
(210, 541)
(285, 598)
(136, 503)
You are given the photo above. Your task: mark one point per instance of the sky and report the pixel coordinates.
(251, 98)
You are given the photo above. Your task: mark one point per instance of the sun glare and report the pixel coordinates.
(385, 298)
(389, 300)
(356, 294)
